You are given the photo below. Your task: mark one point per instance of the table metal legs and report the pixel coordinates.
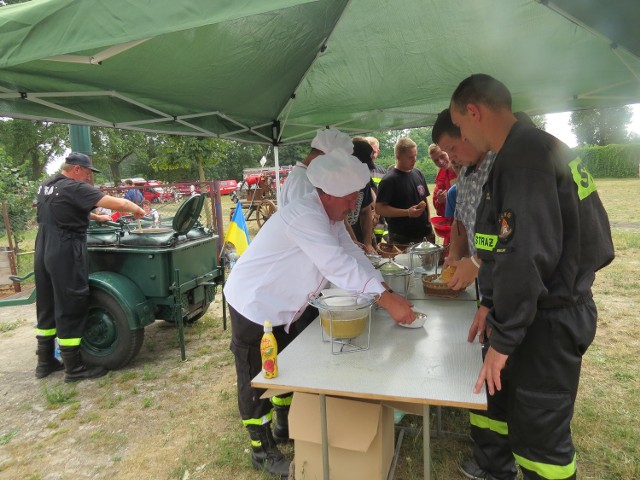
(325, 439)
(426, 440)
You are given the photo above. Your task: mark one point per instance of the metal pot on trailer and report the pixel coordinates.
(139, 275)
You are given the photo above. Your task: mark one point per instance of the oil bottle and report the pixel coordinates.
(269, 352)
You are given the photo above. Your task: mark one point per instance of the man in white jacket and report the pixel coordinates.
(302, 247)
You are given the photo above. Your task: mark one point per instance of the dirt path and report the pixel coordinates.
(157, 418)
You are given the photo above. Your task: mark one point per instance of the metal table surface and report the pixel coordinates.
(431, 365)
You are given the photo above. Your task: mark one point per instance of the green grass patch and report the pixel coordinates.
(8, 436)
(58, 395)
(71, 412)
(150, 373)
(10, 326)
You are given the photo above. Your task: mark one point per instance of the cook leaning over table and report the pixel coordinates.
(302, 247)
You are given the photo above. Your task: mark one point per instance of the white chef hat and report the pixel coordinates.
(329, 139)
(338, 173)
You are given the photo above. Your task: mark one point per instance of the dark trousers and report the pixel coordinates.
(62, 281)
(245, 345)
(542, 377)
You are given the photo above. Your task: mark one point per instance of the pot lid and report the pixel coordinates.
(425, 247)
(393, 268)
(187, 215)
(344, 303)
(152, 231)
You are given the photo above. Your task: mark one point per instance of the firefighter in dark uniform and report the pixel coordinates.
(541, 233)
(60, 264)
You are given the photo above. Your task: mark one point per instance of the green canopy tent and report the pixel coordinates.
(274, 72)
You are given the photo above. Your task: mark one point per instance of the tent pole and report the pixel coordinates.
(277, 166)
(275, 136)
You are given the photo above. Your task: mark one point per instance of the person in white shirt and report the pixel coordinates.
(297, 185)
(302, 247)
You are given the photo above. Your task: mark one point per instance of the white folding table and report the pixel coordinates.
(431, 365)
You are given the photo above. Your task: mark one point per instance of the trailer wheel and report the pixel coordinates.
(265, 211)
(108, 341)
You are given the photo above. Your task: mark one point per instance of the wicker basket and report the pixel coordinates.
(390, 250)
(440, 289)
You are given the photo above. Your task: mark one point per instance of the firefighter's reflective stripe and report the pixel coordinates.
(483, 241)
(258, 421)
(49, 332)
(547, 470)
(481, 421)
(376, 180)
(282, 401)
(582, 178)
(69, 342)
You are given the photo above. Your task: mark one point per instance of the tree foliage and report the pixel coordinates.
(17, 192)
(112, 148)
(31, 145)
(601, 126)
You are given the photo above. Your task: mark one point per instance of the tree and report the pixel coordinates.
(191, 154)
(31, 145)
(601, 126)
(112, 147)
(18, 193)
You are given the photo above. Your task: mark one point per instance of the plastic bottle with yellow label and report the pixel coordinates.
(269, 352)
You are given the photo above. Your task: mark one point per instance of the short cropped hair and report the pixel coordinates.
(373, 141)
(444, 125)
(403, 144)
(481, 88)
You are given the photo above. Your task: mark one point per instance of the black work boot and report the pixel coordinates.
(47, 362)
(264, 451)
(75, 369)
(281, 425)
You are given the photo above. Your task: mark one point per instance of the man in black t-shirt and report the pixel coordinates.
(402, 197)
(60, 264)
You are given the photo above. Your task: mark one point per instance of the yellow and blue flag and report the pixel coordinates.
(238, 233)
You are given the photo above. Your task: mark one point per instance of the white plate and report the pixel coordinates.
(417, 323)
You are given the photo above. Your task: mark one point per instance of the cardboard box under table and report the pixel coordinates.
(360, 438)
(430, 365)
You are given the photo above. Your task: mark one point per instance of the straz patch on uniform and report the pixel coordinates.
(507, 223)
(582, 178)
(485, 242)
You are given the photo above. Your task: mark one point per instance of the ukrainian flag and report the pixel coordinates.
(238, 233)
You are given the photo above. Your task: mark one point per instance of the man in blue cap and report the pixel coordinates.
(64, 205)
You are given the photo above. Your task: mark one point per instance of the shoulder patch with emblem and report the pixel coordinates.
(507, 225)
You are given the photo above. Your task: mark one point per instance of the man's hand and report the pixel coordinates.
(368, 248)
(441, 196)
(494, 362)
(416, 210)
(398, 307)
(449, 261)
(139, 213)
(466, 273)
(478, 327)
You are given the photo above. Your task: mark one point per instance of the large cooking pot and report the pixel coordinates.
(425, 257)
(344, 318)
(183, 221)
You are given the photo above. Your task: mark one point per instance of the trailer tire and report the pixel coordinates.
(108, 340)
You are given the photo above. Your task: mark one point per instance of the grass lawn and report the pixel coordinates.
(605, 426)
